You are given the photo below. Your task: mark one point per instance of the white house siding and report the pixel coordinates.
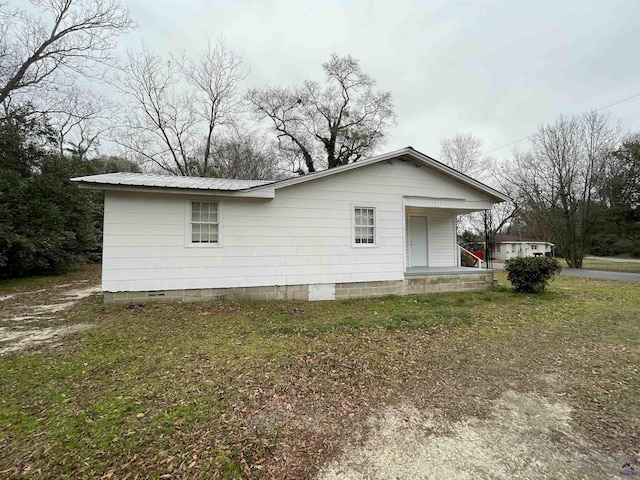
(303, 236)
(442, 238)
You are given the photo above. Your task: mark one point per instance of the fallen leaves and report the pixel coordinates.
(272, 389)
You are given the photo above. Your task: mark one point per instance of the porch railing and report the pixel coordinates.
(479, 261)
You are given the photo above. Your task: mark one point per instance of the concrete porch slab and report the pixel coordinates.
(427, 271)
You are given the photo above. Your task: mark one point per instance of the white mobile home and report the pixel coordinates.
(384, 225)
(510, 246)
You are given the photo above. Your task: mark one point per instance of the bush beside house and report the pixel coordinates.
(531, 274)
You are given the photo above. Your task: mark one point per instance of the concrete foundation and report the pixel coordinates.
(474, 280)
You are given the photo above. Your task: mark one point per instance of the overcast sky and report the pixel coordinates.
(497, 69)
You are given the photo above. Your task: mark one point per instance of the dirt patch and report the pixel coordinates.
(56, 307)
(525, 437)
(36, 318)
(82, 292)
(12, 341)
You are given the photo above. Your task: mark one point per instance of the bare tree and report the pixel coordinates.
(331, 126)
(71, 36)
(463, 152)
(245, 155)
(501, 214)
(79, 119)
(215, 76)
(488, 223)
(493, 221)
(556, 180)
(160, 119)
(174, 107)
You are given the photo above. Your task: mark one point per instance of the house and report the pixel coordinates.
(384, 225)
(509, 246)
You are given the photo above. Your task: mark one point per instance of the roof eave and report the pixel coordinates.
(525, 241)
(268, 193)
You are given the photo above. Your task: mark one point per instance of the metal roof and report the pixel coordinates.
(171, 181)
(266, 188)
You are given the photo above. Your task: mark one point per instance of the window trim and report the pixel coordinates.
(353, 226)
(188, 234)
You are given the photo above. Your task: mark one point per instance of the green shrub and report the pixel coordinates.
(467, 260)
(531, 274)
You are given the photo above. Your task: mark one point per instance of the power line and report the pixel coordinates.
(529, 136)
(507, 145)
(620, 101)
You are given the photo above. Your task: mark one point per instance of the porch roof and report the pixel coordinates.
(458, 204)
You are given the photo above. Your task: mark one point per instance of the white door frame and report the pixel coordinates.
(408, 237)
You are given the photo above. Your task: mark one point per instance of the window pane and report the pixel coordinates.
(204, 233)
(195, 233)
(213, 213)
(195, 212)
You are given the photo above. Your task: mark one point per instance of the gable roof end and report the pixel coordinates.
(407, 153)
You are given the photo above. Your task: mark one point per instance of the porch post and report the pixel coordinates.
(486, 240)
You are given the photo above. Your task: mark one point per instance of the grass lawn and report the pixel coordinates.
(268, 389)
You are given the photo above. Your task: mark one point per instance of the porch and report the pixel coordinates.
(431, 243)
(432, 254)
(428, 271)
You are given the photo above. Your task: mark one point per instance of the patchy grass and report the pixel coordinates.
(625, 267)
(268, 389)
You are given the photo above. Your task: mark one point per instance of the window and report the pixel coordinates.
(534, 247)
(364, 223)
(204, 223)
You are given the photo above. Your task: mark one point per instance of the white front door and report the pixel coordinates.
(417, 241)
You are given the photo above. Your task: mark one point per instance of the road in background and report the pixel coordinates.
(595, 274)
